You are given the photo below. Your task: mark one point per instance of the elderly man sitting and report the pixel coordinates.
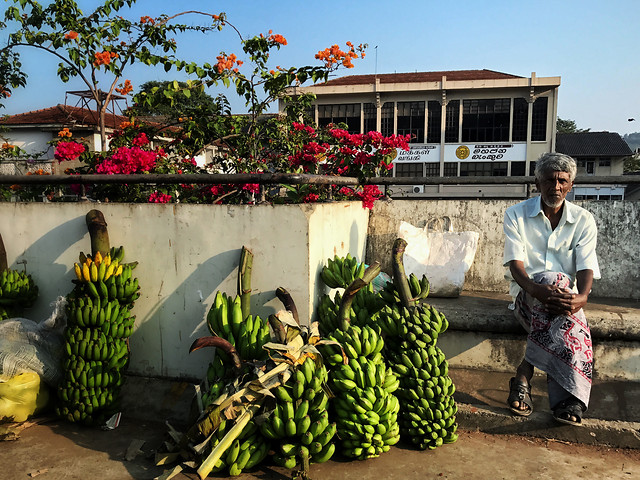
(550, 250)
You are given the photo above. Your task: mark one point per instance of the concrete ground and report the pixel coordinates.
(492, 445)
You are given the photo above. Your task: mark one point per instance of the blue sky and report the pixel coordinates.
(592, 45)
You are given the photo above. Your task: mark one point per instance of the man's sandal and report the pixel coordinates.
(520, 392)
(567, 409)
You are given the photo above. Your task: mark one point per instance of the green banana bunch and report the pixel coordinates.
(427, 411)
(248, 335)
(216, 380)
(96, 350)
(364, 310)
(246, 451)
(340, 272)
(365, 407)
(419, 290)
(300, 420)
(17, 289)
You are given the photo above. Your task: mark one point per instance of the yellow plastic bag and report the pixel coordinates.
(22, 396)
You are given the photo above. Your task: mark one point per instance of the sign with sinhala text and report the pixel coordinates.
(419, 153)
(494, 152)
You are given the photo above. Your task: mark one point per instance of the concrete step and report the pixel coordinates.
(484, 334)
(613, 417)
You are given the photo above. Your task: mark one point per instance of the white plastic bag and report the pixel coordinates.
(28, 346)
(441, 254)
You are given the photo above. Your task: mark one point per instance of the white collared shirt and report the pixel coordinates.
(569, 248)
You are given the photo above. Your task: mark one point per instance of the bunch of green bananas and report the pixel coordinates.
(246, 451)
(419, 289)
(427, 408)
(248, 335)
(364, 309)
(364, 405)
(423, 328)
(107, 316)
(96, 349)
(300, 420)
(216, 380)
(340, 272)
(107, 278)
(17, 289)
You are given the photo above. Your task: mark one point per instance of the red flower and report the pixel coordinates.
(311, 198)
(68, 151)
(158, 197)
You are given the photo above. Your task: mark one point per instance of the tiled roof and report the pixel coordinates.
(417, 77)
(592, 144)
(64, 115)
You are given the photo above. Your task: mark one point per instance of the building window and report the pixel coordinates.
(518, 169)
(433, 121)
(451, 169)
(432, 170)
(483, 169)
(485, 120)
(369, 111)
(411, 120)
(348, 113)
(604, 162)
(452, 122)
(386, 117)
(539, 120)
(309, 115)
(409, 169)
(520, 117)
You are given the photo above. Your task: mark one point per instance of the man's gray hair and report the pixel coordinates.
(555, 162)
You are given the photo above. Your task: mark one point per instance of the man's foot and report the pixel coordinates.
(519, 400)
(569, 412)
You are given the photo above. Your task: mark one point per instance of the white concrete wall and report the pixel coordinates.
(186, 253)
(618, 246)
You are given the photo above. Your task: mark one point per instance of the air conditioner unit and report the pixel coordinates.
(418, 189)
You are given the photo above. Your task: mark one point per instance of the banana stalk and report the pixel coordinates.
(97, 226)
(227, 440)
(244, 280)
(350, 292)
(399, 275)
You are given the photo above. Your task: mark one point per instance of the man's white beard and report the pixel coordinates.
(552, 205)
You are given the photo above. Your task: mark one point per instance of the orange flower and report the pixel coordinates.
(64, 133)
(227, 63)
(277, 39)
(334, 55)
(8, 146)
(124, 89)
(147, 19)
(71, 35)
(103, 58)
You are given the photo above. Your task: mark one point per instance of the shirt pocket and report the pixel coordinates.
(567, 260)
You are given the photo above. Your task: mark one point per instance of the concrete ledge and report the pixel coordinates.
(496, 420)
(609, 319)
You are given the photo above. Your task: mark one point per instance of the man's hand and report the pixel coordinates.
(565, 302)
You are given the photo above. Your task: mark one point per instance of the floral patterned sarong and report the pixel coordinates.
(559, 345)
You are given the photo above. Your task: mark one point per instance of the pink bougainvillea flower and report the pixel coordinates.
(159, 197)
(68, 151)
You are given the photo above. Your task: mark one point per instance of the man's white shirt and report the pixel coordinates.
(569, 248)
